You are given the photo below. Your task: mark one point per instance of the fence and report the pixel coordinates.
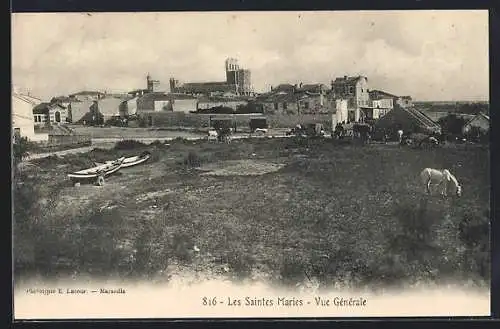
(56, 142)
(192, 120)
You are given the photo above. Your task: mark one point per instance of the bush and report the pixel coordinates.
(192, 160)
(474, 230)
(21, 149)
(128, 144)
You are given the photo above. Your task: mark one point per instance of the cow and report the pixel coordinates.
(442, 178)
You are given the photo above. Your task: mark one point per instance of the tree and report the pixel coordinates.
(451, 124)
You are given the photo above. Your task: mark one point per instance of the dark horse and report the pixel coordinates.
(363, 131)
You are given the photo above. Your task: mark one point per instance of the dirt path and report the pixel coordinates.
(60, 153)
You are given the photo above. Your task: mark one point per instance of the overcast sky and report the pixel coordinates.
(430, 55)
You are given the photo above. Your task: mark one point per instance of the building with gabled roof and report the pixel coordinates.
(480, 121)
(409, 120)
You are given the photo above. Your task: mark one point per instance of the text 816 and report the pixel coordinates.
(209, 301)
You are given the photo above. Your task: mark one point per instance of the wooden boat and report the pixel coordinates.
(98, 172)
(135, 160)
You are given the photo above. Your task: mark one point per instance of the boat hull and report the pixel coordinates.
(98, 171)
(135, 160)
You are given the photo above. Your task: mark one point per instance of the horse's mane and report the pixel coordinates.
(455, 181)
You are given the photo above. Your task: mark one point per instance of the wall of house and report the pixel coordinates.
(79, 109)
(209, 104)
(58, 140)
(40, 120)
(314, 104)
(162, 105)
(362, 96)
(63, 115)
(22, 118)
(291, 108)
(128, 107)
(385, 103)
(404, 102)
(109, 106)
(184, 105)
(145, 104)
(181, 119)
(341, 110)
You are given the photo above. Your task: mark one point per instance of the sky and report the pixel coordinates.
(429, 55)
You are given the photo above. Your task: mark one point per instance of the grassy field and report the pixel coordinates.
(342, 215)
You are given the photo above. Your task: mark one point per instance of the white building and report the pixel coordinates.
(341, 112)
(23, 123)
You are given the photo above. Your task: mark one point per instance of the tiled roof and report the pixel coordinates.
(480, 115)
(221, 99)
(312, 87)
(87, 93)
(379, 94)
(155, 96)
(343, 80)
(28, 99)
(278, 98)
(43, 108)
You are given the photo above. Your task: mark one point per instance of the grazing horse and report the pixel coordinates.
(442, 178)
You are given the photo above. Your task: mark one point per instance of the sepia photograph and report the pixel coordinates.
(250, 164)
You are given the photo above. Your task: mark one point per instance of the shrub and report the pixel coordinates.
(474, 229)
(128, 144)
(241, 263)
(21, 149)
(192, 160)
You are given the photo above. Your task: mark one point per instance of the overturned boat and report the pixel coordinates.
(97, 173)
(135, 160)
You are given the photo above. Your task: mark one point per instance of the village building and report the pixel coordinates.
(50, 114)
(279, 103)
(238, 81)
(158, 102)
(78, 109)
(23, 124)
(211, 102)
(404, 101)
(480, 122)
(410, 120)
(313, 99)
(109, 107)
(63, 100)
(355, 91)
(87, 95)
(152, 102)
(128, 107)
(284, 88)
(183, 103)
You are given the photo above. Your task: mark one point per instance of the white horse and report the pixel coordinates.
(441, 178)
(212, 135)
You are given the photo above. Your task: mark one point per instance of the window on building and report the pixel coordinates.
(17, 134)
(306, 105)
(275, 106)
(58, 116)
(285, 106)
(351, 90)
